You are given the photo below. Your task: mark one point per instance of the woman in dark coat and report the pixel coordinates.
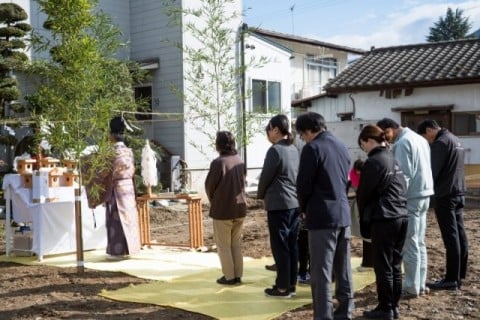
(383, 218)
(225, 188)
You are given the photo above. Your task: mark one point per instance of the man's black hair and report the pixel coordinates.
(310, 121)
(428, 123)
(386, 123)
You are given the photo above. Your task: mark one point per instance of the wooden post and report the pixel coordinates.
(78, 228)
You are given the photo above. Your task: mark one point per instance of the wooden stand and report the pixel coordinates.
(195, 222)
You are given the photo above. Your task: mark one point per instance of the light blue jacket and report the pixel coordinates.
(413, 155)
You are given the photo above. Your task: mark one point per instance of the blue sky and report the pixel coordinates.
(356, 23)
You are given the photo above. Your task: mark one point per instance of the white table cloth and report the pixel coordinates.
(53, 223)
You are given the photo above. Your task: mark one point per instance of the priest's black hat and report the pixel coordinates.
(117, 125)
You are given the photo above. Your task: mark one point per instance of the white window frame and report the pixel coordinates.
(265, 108)
(319, 66)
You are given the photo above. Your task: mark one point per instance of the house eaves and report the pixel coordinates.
(411, 66)
(271, 42)
(293, 38)
(307, 102)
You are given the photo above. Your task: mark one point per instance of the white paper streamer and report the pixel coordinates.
(149, 166)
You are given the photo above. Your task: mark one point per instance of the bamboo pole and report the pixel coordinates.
(78, 229)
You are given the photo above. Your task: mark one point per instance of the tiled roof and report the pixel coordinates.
(289, 37)
(420, 65)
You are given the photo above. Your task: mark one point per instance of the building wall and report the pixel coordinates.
(119, 11)
(275, 70)
(152, 36)
(301, 88)
(198, 159)
(371, 107)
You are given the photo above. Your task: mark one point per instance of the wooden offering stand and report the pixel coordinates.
(195, 222)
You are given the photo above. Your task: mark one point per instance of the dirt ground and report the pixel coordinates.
(41, 292)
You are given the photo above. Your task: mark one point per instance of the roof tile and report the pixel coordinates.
(430, 64)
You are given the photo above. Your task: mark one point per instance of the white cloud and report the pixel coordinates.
(406, 26)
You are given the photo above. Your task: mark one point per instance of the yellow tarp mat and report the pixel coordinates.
(199, 293)
(156, 263)
(188, 282)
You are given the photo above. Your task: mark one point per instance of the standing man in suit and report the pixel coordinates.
(321, 189)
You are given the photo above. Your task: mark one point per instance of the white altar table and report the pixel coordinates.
(52, 223)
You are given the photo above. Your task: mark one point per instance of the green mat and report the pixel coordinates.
(187, 281)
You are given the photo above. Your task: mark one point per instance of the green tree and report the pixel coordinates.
(12, 40)
(82, 86)
(13, 31)
(453, 26)
(211, 92)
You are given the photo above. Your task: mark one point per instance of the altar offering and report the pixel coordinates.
(54, 176)
(27, 180)
(68, 178)
(25, 166)
(69, 164)
(49, 162)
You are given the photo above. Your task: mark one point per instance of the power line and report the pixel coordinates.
(299, 8)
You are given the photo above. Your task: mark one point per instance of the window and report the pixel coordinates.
(266, 96)
(466, 123)
(412, 119)
(319, 71)
(143, 96)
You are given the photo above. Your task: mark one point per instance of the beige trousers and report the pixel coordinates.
(228, 237)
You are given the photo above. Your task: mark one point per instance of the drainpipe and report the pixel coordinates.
(243, 31)
(353, 106)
